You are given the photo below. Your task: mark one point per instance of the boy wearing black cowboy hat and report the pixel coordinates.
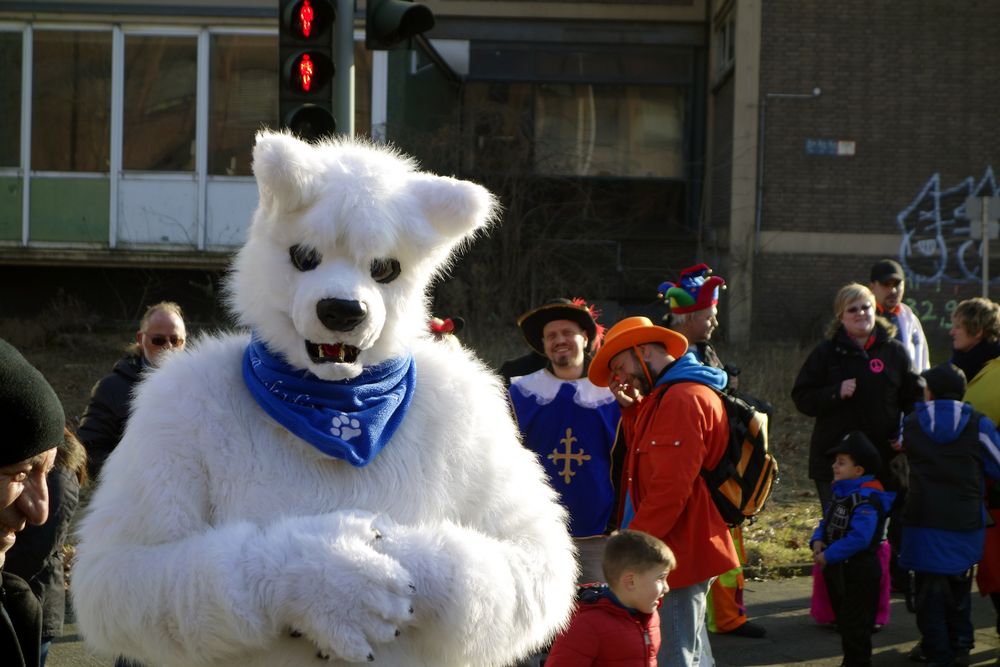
(846, 541)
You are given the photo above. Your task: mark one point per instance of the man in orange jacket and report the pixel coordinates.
(675, 424)
(693, 314)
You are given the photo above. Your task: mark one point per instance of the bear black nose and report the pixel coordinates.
(340, 314)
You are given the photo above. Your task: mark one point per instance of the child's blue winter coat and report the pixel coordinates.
(864, 520)
(942, 423)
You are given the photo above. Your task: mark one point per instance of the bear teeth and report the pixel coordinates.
(332, 353)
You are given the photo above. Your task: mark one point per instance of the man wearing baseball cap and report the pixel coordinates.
(33, 422)
(570, 424)
(887, 283)
(675, 424)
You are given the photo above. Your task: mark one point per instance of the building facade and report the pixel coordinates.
(787, 143)
(842, 134)
(132, 124)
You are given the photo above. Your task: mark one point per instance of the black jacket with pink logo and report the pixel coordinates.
(887, 387)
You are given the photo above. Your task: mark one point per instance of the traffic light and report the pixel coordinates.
(306, 68)
(390, 23)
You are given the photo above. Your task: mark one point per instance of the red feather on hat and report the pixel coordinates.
(594, 313)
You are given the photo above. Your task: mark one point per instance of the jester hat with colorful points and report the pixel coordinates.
(697, 289)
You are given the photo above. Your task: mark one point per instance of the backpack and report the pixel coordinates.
(742, 481)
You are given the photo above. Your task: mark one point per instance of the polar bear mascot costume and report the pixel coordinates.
(334, 487)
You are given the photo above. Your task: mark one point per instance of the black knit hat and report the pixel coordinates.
(30, 411)
(533, 322)
(945, 381)
(861, 450)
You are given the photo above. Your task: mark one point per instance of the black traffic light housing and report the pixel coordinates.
(306, 68)
(389, 24)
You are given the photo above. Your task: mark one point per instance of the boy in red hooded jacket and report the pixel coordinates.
(616, 624)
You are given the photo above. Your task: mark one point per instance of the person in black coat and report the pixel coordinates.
(858, 379)
(33, 421)
(37, 556)
(103, 422)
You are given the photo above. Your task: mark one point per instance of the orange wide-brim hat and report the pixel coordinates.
(629, 333)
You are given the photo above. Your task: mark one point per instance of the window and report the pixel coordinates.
(71, 101)
(619, 131)
(243, 97)
(160, 103)
(10, 99)
(622, 131)
(725, 44)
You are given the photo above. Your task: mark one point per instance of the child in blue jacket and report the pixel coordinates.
(949, 448)
(846, 541)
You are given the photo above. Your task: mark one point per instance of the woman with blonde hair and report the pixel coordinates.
(859, 378)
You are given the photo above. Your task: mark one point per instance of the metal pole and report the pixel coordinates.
(760, 174)
(986, 247)
(343, 86)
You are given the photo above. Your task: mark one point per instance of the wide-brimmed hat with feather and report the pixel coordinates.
(532, 323)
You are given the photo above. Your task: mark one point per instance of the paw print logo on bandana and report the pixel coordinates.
(345, 427)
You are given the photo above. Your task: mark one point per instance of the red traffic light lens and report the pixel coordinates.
(309, 20)
(309, 71)
(306, 16)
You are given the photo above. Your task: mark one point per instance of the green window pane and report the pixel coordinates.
(10, 208)
(86, 220)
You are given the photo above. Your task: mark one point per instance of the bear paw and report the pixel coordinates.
(345, 427)
(340, 593)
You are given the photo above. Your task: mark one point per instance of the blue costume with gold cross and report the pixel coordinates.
(571, 426)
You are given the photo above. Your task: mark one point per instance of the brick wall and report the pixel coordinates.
(914, 85)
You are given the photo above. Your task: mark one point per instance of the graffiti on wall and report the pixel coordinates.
(930, 310)
(936, 246)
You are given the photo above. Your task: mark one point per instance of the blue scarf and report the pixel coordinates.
(347, 419)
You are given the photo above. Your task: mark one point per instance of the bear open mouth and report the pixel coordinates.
(331, 353)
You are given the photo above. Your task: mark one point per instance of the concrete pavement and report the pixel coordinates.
(793, 638)
(780, 605)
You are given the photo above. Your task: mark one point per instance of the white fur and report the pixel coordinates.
(214, 531)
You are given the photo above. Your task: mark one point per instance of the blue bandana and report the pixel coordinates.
(347, 419)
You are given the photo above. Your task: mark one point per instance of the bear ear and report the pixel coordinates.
(455, 208)
(285, 171)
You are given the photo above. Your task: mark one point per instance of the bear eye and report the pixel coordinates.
(304, 258)
(385, 270)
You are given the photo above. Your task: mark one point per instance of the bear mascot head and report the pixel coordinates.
(333, 483)
(342, 248)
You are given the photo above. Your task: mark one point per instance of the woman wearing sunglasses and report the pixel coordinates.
(859, 378)
(103, 423)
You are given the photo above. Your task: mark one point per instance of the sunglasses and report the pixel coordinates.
(159, 340)
(859, 309)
